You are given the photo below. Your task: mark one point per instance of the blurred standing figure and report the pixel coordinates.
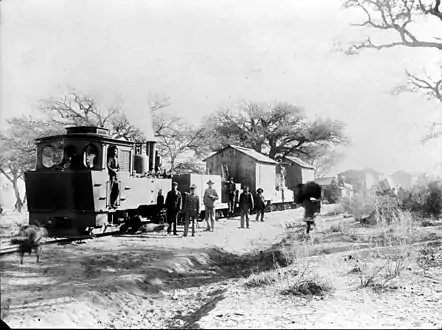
(210, 196)
(191, 209)
(309, 195)
(173, 207)
(113, 167)
(245, 205)
(160, 204)
(260, 205)
(231, 190)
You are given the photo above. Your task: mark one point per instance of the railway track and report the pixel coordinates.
(14, 248)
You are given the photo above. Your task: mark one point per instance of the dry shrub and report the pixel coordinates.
(305, 284)
(339, 228)
(378, 277)
(430, 257)
(308, 287)
(267, 278)
(336, 210)
(288, 279)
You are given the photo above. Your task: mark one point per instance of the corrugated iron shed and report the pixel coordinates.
(299, 161)
(249, 152)
(326, 181)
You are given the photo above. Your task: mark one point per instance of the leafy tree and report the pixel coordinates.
(17, 149)
(276, 130)
(398, 18)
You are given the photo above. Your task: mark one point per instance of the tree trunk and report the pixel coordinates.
(18, 201)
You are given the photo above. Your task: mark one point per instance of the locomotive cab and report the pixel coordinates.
(70, 189)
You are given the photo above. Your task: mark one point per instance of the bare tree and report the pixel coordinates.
(432, 88)
(78, 109)
(175, 138)
(324, 161)
(158, 102)
(398, 17)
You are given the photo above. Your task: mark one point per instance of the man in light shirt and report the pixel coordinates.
(210, 196)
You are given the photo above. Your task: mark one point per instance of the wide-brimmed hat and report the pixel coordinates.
(174, 183)
(210, 182)
(193, 186)
(260, 190)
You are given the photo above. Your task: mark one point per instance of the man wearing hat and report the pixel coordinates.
(260, 205)
(210, 196)
(173, 207)
(191, 209)
(232, 190)
(245, 205)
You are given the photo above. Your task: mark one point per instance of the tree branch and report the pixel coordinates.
(393, 16)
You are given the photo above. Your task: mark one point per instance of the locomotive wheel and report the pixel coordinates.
(272, 208)
(123, 228)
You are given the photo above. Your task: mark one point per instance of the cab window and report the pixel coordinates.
(51, 156)
(90, 156)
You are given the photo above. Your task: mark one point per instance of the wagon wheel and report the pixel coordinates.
(123, 228)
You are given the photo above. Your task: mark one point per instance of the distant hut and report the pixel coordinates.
(245, 165)
(298, 171)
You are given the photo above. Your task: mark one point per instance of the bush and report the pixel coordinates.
(374, 209)
(426, 197)
(308, 287)
(358, 205)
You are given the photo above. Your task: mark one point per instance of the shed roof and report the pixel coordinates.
(324, 181)
(247, 151)
(300, 162)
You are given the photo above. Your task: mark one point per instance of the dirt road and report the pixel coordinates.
(126, 280)
(159, 281)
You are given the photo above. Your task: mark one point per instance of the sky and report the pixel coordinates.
(208, 54)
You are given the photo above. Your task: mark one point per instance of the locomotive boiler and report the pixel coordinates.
(69, 191)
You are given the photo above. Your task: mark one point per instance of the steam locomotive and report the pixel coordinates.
(69, 192)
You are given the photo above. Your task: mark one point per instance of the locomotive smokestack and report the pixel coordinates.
(150, 151)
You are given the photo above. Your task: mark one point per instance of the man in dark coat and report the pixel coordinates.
(231, 188)
(245, 205)
(191, 209)
(113, 167)
(173, 207)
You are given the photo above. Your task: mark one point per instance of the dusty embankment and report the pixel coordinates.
(158, 281)
(129, 281)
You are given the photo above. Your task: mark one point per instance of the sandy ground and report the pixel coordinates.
(159, 281)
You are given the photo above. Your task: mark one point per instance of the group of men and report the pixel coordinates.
(308, 196)
(190, 207)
